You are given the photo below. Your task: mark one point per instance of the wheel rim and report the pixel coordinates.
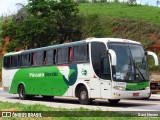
(83, 95)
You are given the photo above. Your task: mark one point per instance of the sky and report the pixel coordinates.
(9, 7)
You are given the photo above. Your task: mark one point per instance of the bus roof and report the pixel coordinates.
(88, 40)
(106, 40)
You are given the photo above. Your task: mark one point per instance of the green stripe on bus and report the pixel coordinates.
(137, 86)
(42, 80)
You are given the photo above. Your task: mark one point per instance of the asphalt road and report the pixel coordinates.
(152, 104)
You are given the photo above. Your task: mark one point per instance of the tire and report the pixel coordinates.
(113, 101)
(48, 98)
(83, 96)
(21, 92)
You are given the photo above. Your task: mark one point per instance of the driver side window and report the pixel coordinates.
(100, 60)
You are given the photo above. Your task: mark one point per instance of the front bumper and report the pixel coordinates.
(117, 94)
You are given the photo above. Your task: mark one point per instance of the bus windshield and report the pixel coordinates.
(131, 62)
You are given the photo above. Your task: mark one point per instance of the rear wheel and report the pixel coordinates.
(83, 96)
(21, 92)
(113, 101)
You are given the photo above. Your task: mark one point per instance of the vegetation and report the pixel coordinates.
(130, 22)
(122, 10)
(6, 106)
(44, 22)
(68, 113)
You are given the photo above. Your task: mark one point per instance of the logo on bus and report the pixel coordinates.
(84, 72)
(43, 74)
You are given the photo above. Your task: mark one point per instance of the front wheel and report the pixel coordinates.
(21, 92)
(113, 101)
(83, 96)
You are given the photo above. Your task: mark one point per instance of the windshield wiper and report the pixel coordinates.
(139, 72)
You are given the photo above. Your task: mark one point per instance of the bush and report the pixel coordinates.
(155, 68)
(0, 75)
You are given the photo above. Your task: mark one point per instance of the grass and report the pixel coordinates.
(122, 10)
(6, 106)
(17, 107)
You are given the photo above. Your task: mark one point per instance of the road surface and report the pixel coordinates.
(152, 104)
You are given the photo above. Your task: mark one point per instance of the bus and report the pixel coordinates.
(94, 68)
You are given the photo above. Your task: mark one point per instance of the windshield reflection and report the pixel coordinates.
(131, 62)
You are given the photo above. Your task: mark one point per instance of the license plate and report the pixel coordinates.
(135, 94)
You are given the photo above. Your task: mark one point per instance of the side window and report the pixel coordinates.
(83, 54)
(37, 58)
(70, 54)
(24, 60)
(32, 57)
(100, 60)
(6, 62)
(76, 53)
(15, 61)
(50, 57)
(63, 55)
(80, 53)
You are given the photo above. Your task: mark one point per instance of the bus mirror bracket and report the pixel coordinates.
(154, 56)
(113, 57)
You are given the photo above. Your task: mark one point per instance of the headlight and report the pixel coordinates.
(147, 88)
(119, 88)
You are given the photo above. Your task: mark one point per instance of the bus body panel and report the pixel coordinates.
(7, 77)
(50, 80)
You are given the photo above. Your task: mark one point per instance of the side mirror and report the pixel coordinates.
(113, 57)
(154, 56)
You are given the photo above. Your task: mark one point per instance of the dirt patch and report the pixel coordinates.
(10, 109)
(155, 77)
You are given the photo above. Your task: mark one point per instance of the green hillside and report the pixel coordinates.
(122, 10)
(137, 22)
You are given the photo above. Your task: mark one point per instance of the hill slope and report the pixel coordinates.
(138, 22)
(122, 10)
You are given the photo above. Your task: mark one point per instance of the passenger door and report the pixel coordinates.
(105, 77)
(101, 67)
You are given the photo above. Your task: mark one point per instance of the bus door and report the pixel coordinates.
(105, 77)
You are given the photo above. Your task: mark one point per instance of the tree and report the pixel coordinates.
(63, 16)
(47, 22)
(22, 13)
(158, 2)
(94, 25)
(116, 0)
(42, 23)
(132, 2)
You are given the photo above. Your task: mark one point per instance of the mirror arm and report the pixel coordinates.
(154, 56)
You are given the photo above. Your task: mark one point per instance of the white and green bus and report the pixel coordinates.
(95, 68)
